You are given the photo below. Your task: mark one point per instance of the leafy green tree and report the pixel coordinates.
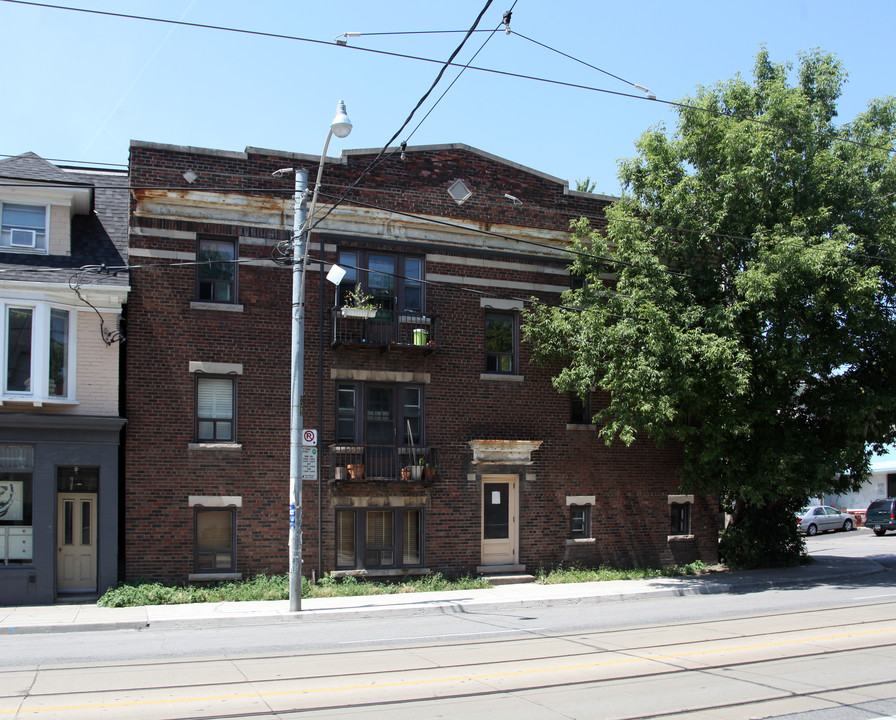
(741, 300)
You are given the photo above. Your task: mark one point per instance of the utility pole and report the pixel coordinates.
(340, 127)
(297, 384)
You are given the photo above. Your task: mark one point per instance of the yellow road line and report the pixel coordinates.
(460, 678)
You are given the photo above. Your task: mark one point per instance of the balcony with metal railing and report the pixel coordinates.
(385, 329)
(382, 463)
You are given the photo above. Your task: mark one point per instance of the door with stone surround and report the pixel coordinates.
(500, 519)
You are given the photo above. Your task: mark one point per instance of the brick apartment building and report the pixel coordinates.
(440, 447)
(60, 424)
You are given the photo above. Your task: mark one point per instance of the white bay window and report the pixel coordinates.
(38, 362)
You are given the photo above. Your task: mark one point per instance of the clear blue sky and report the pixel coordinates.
(81, 86)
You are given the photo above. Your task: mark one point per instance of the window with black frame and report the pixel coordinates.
(386, 420)
(374, 538)
(680, 518)
(579, 410)
(215, 540)
(580, 521)
(500, 342)
(215, 409)
(216, 270)
(393, 280)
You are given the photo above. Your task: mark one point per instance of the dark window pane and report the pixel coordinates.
(499, 342)
(58, 386)
(413, 285)
(85, 522)
(381, 280)
(216, 271)
(345, 538)
(412, 540)
(681, 518)
(496, 511)
(578, 521)
(18, 358)
(68, 522)
(345, 413)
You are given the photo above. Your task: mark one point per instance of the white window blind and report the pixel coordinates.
(214, 408)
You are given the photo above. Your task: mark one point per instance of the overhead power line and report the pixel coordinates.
(503, 73)
(373, 163)
(447, 223)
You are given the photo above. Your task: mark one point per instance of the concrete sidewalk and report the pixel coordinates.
(87, 617)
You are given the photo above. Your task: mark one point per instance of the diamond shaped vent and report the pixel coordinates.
(459, 192)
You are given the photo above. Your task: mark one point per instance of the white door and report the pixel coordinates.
(76, 542)
(500, 519)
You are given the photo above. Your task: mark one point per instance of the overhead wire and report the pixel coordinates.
(456, 78)
(310, 224)
(581, 62)
(505, 73)
(467, 228)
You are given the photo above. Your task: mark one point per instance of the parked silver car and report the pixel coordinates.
(821, 518)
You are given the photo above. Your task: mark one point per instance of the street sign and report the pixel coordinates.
(309, 463)
(309, 437)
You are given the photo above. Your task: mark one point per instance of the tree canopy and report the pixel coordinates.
(741, 298)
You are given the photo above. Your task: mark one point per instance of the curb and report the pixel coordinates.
(446, 606)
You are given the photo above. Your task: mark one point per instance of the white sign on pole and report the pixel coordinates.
(309, 463)
(309, 437)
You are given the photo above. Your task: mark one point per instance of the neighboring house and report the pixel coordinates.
(60, 424)
(881, 483)
(440, 447)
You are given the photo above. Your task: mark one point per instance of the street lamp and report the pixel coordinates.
(340, 127)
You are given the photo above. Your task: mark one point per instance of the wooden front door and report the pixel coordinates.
(76, 542)
(500, 519)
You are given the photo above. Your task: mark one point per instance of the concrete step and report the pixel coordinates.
(508, 579)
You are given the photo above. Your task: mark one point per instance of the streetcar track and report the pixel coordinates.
(519, 633)
(628, 658)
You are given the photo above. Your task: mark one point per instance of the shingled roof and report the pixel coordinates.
(97, 237)
(29, 166)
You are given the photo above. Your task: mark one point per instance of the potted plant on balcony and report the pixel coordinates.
(359, 304)
(417, 469)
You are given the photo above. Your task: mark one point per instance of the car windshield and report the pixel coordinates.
(878, 505)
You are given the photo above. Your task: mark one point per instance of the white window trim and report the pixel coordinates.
(40, 354)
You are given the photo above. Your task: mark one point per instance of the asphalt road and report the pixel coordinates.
(819, 653)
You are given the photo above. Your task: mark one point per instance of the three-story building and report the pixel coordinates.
(440, 447)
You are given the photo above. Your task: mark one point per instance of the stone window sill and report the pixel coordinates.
(215, 447)
(500, 377)
(580, 541)
(679, 538)
(221, 307)
(581, 426)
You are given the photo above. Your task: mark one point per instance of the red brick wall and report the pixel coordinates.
(631, 485)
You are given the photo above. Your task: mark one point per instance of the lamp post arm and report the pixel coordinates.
(320, 172)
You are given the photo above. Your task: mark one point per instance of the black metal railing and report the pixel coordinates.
(355, 463)
(383, 328)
